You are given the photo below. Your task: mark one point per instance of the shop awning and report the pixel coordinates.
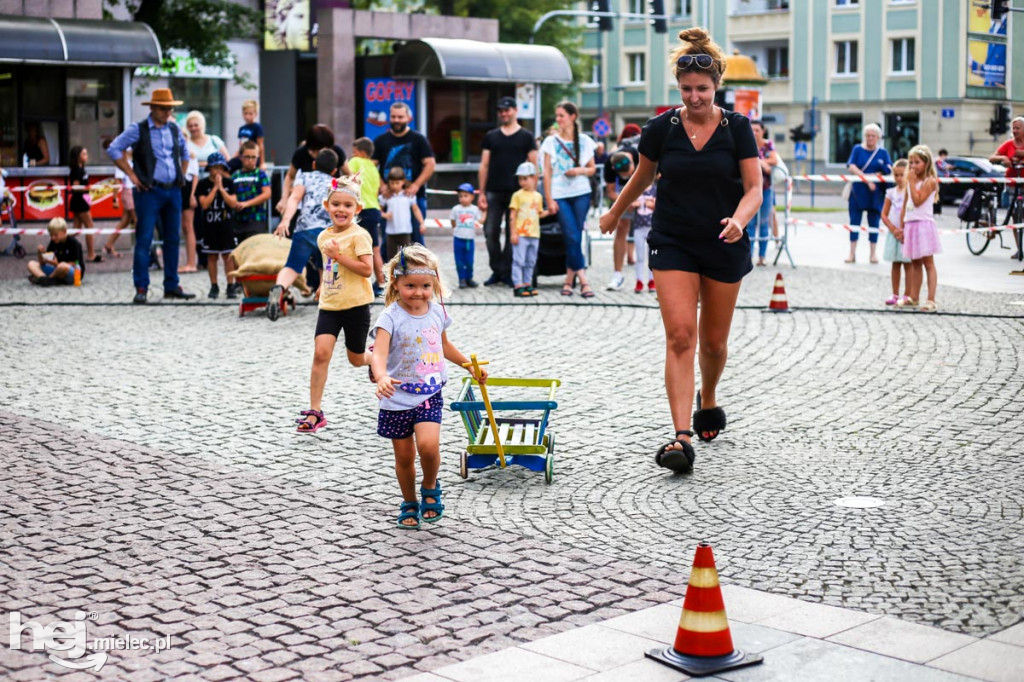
(77, 41)
(471, 60)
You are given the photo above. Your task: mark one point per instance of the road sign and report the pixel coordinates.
(948, 113)
(800, 151)
(602, 127)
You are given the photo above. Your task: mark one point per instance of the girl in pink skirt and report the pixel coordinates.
(920, 236)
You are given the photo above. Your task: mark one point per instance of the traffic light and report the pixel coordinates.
(1000, 125)
(658, 10)
(999, 8)
(603, 23)
(798, 134)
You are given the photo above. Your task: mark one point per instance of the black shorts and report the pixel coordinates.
(355, 322)
(370, 220)
(245, 230)
(707, 255)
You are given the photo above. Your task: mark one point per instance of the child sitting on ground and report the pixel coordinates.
(410, 348)
(465, 217)
(526, 208)
(345, 293)
(400, 210)
(57, 262)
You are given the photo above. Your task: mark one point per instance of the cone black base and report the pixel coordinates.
(698, 666)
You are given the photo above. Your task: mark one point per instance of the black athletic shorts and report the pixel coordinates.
(706, 255)
(355, 322)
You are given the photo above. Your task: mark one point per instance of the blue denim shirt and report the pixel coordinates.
(160, 137)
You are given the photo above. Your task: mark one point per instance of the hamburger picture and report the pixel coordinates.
(43, 195)
(104, 189)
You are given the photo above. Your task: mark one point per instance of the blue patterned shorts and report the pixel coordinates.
(398, 424)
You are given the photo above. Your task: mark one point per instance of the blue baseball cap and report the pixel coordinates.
(216, 159)
(466, 187)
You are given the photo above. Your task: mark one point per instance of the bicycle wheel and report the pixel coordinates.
(978, 241)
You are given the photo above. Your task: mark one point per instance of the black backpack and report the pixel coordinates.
(970, 206)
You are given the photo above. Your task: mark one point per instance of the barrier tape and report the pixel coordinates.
(870, 230)
(879, 177)
(39, 231)
(116, 188)
(446, 222)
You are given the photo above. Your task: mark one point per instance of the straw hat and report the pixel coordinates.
(162, 97)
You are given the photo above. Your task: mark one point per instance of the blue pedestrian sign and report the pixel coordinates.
(948, 113)
(602, 127)
(800, 151)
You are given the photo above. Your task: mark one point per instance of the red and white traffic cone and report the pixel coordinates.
(779, 304)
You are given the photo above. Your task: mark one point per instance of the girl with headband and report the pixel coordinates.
(345, 293)
(409, 352)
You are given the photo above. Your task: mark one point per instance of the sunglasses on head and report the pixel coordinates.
(704, 61)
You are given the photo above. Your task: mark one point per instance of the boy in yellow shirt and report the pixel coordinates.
(526, 208)
(363, 167)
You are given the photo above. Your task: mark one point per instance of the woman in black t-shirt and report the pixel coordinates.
(709, 189)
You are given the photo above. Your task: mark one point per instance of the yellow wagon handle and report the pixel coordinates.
(475, 364)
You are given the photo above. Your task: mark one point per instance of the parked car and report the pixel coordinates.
(966, 167)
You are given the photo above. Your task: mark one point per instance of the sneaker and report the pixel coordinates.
(639, 288)
(214, 291)
(471, 284)
(274, 302)
(492, 280)
(140, 295)
(462, 284)
(378, 290)
(651, 287)
(233, 290)
(618, 279)
(179, 294)
(892, 300)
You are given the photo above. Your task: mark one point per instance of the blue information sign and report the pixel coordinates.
(800, 151)
(948, 113)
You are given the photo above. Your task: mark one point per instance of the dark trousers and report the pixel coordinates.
(165, 203)
(500, 257)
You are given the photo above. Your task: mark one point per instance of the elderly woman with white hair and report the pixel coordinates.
(867, 159)
(200, 146)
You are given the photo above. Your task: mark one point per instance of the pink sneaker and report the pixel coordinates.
(892, 300)
(639, 287)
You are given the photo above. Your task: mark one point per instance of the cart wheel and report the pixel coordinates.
(464, 464)
(549, 461)
(19, 251)
(241, 310)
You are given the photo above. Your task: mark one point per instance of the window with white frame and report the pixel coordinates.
(778, 62)
(682, 8)
(637, 67)
(595, 73)
(902, 55)
(847, 3)
(846, 58)
(637, 7)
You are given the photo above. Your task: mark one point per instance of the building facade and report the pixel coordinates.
(936, 71)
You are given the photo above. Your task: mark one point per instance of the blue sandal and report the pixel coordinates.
(409, 510)
(435, 506)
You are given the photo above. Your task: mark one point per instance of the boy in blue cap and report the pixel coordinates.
(465, 218)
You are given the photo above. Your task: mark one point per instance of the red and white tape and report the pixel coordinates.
(39, 231)
(879, 177)
(57, 186)
(864, 228)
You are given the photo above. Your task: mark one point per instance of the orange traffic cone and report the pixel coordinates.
(703, 644)
(779, 304)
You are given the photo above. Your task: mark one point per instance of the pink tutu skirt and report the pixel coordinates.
(920, 239)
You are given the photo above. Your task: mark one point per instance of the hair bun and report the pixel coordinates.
(696, 36)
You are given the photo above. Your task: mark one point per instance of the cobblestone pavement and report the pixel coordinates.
(152, 477)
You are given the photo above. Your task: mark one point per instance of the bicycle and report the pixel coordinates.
(979, 239)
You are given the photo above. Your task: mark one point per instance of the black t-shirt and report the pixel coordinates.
(610, 174)
(507, 152)
(68, 251)
(407, 151)
(304, 162)
(218, 216)
(697, 188)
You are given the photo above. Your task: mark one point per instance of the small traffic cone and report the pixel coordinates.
(703, 644)
(779, 304)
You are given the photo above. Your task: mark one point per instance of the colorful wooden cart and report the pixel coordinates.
(523, 441)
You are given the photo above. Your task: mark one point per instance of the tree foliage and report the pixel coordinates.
(202, 27)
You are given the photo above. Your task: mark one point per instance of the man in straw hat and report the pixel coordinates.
(161, 158)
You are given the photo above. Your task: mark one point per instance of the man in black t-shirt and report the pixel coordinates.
(504, 148)
(404, 147)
